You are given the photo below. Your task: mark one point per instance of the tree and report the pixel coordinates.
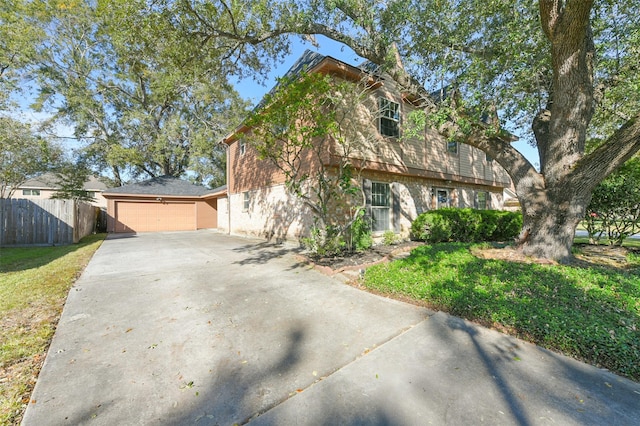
(308, 129)
(18, 36)
(139, 112)
(566, 67)
(23, 155)
(71, 179)
(614, 210)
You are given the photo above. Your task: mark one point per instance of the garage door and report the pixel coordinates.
(155, 216)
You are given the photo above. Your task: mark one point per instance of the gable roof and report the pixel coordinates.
(312, 62)
(49, 180)
(163, 185)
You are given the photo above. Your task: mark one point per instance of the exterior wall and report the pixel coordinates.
(417, 195)
(207, 214)
(248, 171)
(223, 214)
(273, 214)
(424, 155)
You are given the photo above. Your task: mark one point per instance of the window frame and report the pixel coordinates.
(486, 200)
(390, 115)
(440, 204)
(246, 201)
(454, 144)
(243, 148)
(31, 192)
(380, 204)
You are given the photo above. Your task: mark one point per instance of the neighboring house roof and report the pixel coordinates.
(168, 186)
(50, 181)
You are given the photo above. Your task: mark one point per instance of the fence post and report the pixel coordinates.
(2, 225)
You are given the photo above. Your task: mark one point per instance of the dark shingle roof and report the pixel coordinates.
(308, 60)
(163, 185)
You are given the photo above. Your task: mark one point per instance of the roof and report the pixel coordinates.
(311, 62)
(163, 185)
(49, 180)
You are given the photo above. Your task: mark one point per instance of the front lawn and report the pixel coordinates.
(34, 283)
(590, 313)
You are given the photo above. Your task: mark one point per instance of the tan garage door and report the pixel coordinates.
(155, 216)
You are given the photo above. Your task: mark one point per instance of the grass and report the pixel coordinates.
(592, 314)
(629, 242)
(34, 283)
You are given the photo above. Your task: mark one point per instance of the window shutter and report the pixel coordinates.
(366, 188)
(395, 203)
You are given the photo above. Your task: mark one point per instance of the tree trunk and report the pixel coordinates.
(549, 224)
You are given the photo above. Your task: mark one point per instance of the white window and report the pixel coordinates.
(481, 198)
(30, 192)
(452, 147)
(380, 206)
(246, 200)
(442, 198)
(243, 148)
(389, 123)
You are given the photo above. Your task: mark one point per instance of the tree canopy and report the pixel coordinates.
(23, 155)
(138, 110)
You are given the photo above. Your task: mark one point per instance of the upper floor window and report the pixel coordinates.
(30, 192)
(452, 147)
(389, 118)
(243, 148)
(488, 158)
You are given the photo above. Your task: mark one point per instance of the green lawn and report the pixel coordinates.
(592, 314)
(34, 283)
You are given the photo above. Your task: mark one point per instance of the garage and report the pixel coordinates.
(161, 204)
(155, 216)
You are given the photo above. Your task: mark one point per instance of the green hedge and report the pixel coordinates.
(466, 225)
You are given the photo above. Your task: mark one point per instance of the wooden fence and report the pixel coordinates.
(44, 222)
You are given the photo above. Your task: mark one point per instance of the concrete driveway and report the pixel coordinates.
(202, 328)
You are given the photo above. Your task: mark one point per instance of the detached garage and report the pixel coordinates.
(162, 204)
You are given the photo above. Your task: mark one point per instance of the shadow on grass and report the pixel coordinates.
(14, 259)
(588, 313)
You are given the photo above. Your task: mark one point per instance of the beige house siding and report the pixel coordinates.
(46, 194)
(272, 213)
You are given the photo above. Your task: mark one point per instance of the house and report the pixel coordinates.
(45, 185)
(401, 176)
(162, 203)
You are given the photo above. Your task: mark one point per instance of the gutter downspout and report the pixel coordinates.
(228, 189)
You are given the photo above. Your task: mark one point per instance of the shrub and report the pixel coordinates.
(360, 233)
(325, 242)
(466, 225)
(389, 238)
